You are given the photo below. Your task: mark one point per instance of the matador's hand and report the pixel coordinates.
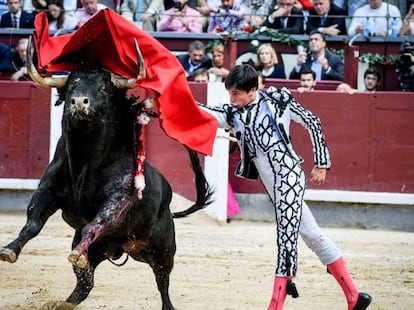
(318, 175)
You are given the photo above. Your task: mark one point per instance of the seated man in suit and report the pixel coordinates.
(285, 18)
(16, 17)
(325, 64)
(196, 58)
(14, 60)
(326, 17)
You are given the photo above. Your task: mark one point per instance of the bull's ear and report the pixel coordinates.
(61, 98)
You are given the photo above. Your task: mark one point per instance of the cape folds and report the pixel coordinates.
(107, 40)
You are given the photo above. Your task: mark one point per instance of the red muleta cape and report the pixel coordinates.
(108, 39)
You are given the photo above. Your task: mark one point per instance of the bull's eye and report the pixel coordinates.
(104, 89)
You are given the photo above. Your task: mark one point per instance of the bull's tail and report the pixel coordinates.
(204, 191)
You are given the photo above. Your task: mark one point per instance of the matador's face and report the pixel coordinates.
(240, 98)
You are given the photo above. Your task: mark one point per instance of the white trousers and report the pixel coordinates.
(285, 184)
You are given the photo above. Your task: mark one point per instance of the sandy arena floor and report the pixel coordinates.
(217, 267)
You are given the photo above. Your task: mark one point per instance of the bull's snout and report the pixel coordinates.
(80, 102)
(80, 106)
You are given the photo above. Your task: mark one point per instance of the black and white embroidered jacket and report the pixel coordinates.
(264, 122)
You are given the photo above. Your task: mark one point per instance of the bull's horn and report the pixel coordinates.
(36, 77)
(130, 83)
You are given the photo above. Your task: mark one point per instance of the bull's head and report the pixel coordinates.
(59, 82)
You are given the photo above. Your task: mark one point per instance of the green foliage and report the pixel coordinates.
(375, 58)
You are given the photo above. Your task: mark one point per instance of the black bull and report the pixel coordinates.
(91, 180)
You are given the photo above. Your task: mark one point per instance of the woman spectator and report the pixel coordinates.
(218, 73)
(57, 17)
(267, 63)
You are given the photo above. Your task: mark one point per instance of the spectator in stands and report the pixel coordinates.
(14, 61)
(19, 60)
(267, 63)
(201, 75)
(375, 14)
(229, 16)
(57, 17)
(372, 78)
(307, 80)
(144, 13)
(181, 18)
(89, 9)
(327, 18)
(196, 58)
(202, 6)
(327, 65)
(205, 7)
(217, 72)
(16, 17)
(407, 28)
(286, 18)
(34, 6)
(346, 88)
(258, 11)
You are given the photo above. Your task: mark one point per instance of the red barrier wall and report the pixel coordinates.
(371, 138)
(24, 130)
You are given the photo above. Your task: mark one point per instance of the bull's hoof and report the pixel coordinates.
(78, 259)
(8, 255)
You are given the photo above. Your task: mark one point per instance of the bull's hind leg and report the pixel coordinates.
(161, 259)
(162, 276)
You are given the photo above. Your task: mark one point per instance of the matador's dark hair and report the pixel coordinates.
(243, 77)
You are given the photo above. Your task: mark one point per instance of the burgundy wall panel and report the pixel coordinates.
(24, 129)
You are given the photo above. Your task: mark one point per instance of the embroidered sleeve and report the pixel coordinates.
(311, 122)
(221, 113)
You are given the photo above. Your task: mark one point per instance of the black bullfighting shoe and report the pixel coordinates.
(363, 301)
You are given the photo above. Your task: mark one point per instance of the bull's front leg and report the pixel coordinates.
(85, 276)
(41, 207)
(108, 218)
